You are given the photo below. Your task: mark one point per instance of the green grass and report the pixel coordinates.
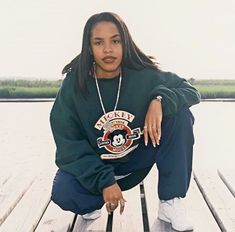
(49, 88)
(216, 91)
(29, 88)
(210, 82)
(215, 88)
(26, 92)
(30, 83)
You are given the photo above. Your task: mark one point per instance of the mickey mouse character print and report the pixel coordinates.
(118, 136)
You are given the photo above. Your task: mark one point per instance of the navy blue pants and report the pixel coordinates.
(173, 159)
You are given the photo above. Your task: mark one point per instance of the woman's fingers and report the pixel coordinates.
(152, 134)
(150, 131)
(146, 135)
(122, 205)
(159, 134)
(112, 195)
(111, 206)
(108, 207)
(152, 125)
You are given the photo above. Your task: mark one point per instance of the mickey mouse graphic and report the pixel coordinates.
(118, 137)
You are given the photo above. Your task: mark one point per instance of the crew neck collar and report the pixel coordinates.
(110, 78)
(105, 78)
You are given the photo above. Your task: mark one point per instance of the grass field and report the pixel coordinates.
(29, 88)
(215, 88)
(48, 88)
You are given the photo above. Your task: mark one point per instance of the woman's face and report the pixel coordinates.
(106, 48)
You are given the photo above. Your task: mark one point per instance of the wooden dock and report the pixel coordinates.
(26, 206)
(27, 170)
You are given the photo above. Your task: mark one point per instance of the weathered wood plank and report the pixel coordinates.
(131, 219)
(55, 220)
(151, 196)
(12, 190)
(150, 186)
(197, 208)
(99, 224)
(201, 215)
(218, 197)
(29, 210)
(4, 177)
(228, 177)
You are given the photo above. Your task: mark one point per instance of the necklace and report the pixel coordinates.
(118, 92)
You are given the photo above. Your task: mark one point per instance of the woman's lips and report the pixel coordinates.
(109, 59)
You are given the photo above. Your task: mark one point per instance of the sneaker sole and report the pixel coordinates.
(90, 218)
(165, 219)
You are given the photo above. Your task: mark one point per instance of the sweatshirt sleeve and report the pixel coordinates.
(176, 93)
(73, 151)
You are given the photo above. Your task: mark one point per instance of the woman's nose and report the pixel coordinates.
(107, 48)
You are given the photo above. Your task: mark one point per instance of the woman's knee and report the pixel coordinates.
(177, 134)
(185, 115)
(181, 122)
(60, 189)
(70, 195)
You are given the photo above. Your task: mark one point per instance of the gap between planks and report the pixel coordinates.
(199, 212)
(12, 191)
(219, 199)
(31, 207)
(228, 177)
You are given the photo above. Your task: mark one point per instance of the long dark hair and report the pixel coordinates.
(133, 57)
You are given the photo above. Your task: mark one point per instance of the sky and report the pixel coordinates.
(193, 38)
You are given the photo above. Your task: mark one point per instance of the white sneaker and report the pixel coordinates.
(173, 211)
(92, 215)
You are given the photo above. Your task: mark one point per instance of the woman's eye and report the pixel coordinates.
(116, 41)
(97, 43)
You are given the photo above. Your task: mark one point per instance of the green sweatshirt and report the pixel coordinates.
(86, 139)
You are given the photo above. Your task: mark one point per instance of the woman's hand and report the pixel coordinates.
(152, 124)
(113, 197)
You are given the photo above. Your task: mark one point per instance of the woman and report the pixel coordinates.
(115, 116)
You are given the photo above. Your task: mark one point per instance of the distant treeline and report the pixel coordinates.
(209, 89)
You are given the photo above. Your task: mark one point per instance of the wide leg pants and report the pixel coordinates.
(173, 159)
